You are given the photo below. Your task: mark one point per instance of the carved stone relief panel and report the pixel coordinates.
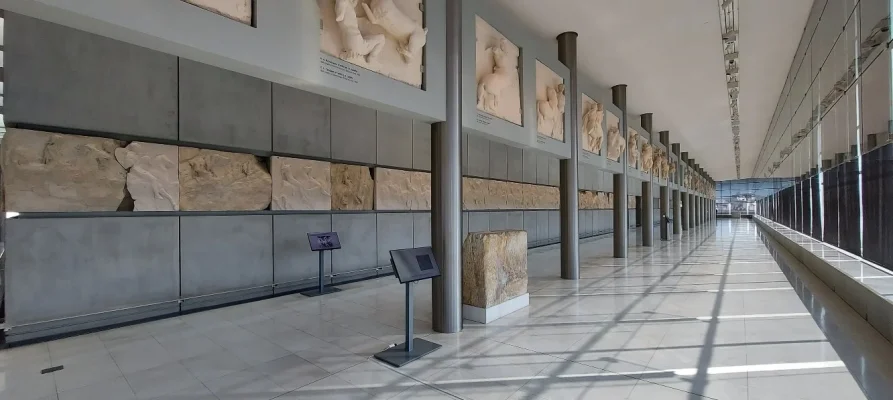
(300, 184)
(352, 187)
(631, 202)
(402, 190)
(647, 163)
(239, 10)
(383, 36)
(593, 125)
(212, 180)
(632, 140)
(50, 172)
(550, 102)
(496, 73)
(616, 144)
(152, 175)
(474, 193)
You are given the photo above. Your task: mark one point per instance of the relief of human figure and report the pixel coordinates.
(616, 144)
(504, 76)
(550, 112)
(632, 139)
(410, 35)
(593, 133)
(355, 46)
(647, 157)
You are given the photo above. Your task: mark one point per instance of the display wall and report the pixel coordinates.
(164, 179)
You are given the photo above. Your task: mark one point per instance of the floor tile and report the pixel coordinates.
(116, 388)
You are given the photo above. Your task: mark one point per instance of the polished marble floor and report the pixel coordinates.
(709, 315)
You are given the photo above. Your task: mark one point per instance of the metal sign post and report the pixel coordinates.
(321, 242)
(410, 266)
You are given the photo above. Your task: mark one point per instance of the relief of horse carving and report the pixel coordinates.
(504, 76)
(355, 46)
(410, 35)
(593, 133)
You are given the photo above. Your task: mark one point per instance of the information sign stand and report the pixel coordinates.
(320, 242)
(410, 266)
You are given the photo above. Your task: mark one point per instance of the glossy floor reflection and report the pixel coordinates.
(711, 314)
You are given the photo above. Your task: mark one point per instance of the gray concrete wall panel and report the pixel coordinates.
(498, 220)
(301, 122)
(224, 253)
(478, 221)
(353, 132)
(554, 225)
(554, 172)
(65, 267)
(542, 225)
(395, 231)
(478, 156)
(498, 161)
(421, 145)
(394, 140)
(359, 247)
(421, 229)
(514, 220)
(224, 108)
(529, 163)
(515, 164)
(542, 169)
(530, 219)
(77, 80)
(292, 258)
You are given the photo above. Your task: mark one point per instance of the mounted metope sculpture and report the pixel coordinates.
(410, 35)
(632, 145)
(355, 46)
(550, 102)
(593, 132)
(664, 166)
(239, 10)
(616, 144)
(496, 73)
(384, 36)
(647, 158)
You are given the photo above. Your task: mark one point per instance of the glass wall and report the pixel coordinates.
(831, 132)
(740, 197)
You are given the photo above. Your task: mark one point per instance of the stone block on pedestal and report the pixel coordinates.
(494, 274)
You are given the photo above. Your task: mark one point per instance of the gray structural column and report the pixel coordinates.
(686, 197)
(621, 215)
(693, 198)
(664, 193)
(647, 232)
(677, 198)
(569, 208)
(446, 186)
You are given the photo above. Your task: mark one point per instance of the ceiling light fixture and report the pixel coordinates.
(728, 20)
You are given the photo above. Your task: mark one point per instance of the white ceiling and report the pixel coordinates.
(670, 55)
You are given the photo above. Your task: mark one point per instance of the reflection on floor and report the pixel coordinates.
(710, 314)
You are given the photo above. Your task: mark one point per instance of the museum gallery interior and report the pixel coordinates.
(446, 199)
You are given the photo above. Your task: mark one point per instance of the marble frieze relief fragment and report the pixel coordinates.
(212, 180)
(352, 187)
(300, 184)
(152, 175)
(51, 172)
(402, 190)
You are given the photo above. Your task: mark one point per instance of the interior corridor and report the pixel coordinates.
(712, 314)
